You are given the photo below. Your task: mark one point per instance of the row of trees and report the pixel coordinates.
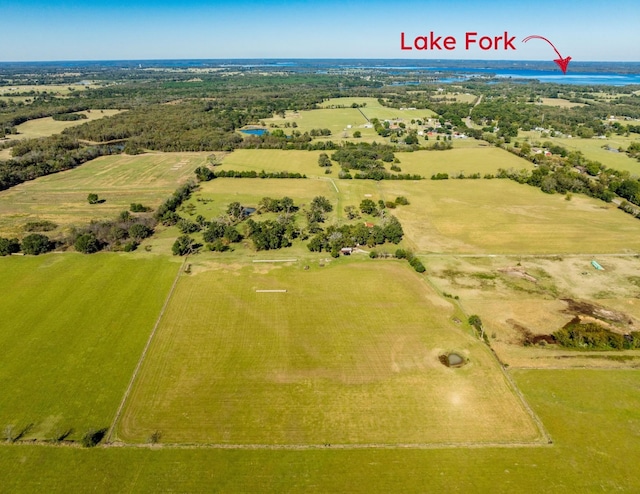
(593, 336)
(33, 244)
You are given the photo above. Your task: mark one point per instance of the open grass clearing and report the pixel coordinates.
(212, 198)
(504, 217)
(119, 180)
(348, 355)
(340, 121)
(470, 158)
(72, 329)
(467, 161)
(45, 127)
(276, 160)
(372, 108)
(560, 103)
(592, 416)
(38, 89)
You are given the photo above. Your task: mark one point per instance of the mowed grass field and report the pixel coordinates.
(119, 180)
(72, 328)
(592, 415)
(44, 127)
(347, 355)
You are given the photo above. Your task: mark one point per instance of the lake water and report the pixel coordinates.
(421, 70)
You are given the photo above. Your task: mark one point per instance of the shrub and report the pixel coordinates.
(93, 437)
(9, 246)
(417, 265)
(139, 232)
(136, 207)
(182, 246)
(35, 244)
(40, 226)
(87, 243)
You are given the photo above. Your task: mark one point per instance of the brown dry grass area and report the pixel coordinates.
(525, 297)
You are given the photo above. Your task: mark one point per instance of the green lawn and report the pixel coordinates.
(72, 328)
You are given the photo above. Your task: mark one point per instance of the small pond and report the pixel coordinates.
(452, 360)
(254, 132)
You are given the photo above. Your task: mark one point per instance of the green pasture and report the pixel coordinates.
(119, 180)
(276, 160)
(595, 149)
(560, 102)
(212, 198)
(347, 355)
(373, 109)
(337, 115)
(592, 416)
(39, 89)
(504, 217)
(72, 328)
(467, 161)
(45, 127)
(340, 121)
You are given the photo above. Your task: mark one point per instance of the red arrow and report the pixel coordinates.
(563, 63)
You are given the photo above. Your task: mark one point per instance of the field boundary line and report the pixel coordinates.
(546, 437)
(328, 446)
(144, 353)
(274, 260)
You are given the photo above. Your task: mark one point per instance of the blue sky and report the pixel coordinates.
(34, 30)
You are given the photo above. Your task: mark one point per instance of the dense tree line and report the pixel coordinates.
(593, 336)
(254, 174)
(33, 158)
(166, 213)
